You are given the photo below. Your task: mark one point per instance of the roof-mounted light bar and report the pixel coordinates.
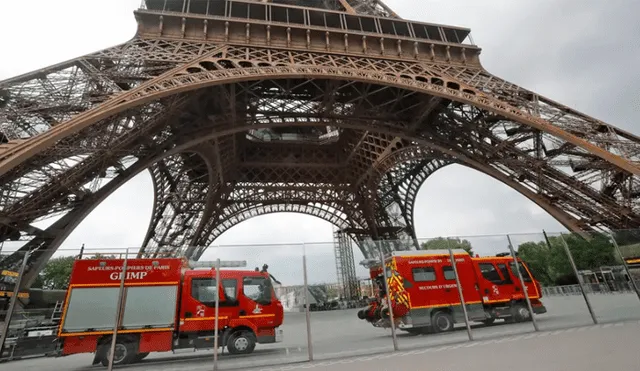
(213, 263)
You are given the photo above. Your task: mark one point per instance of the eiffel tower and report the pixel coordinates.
(339, 109)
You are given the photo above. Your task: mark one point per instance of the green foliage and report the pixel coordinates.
(56, 273)
(550, 264)
(537, 255)
(441, 243)
(100, 256)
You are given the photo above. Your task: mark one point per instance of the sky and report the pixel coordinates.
(582, 53)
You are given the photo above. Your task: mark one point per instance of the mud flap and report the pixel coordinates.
(225, 337)
(96, 360)
(100, 350)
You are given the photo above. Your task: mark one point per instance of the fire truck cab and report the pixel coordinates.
(424, 292)
(165, 306)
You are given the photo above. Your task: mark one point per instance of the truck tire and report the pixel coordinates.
(241, 342)
(125, 352)
(441, 322)
(362, 314)
(521, 313)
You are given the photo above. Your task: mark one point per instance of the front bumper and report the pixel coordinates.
(277, 336)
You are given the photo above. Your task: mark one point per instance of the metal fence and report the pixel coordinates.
(320, 322)
(591, 288)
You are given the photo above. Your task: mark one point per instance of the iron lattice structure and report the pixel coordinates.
(334, 108)
(346, 266)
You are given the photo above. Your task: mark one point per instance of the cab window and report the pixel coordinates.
(505, 274)
(426, 274)
(230, 286)
(525, 275)
(258, 289)
(449, 274)
(490, 273)
(204, 290)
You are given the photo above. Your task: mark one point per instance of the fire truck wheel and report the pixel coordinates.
(124, 353)
(521, 313)
(241, 342)
(362, 314)
(442, 322)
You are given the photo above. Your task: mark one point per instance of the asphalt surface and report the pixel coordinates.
(341, 335)
(589, 348)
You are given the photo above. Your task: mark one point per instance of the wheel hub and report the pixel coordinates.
(241, 343)
(119, 353)
(443, 323)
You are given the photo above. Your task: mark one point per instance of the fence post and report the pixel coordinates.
(118, 311)
(624, 263)
(386, 289)
(462, 302)
(12, 302)
(524, 287)
(307, 312)
(575, 271)
(215, 316)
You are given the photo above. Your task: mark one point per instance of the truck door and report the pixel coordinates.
(508, 285)
(532, 289)
(450, 284)
(257, 296)
(490, 282)
(429, 292)
(468, 281)
(199, 300)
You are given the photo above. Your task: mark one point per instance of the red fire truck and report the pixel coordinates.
(166, 306)
(424, 293)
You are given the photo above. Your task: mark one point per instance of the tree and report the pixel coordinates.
(537, 255)
(55, 275)
(100, 256)
(550, 263)
(591, 254)
(57, 271)
(441, 243)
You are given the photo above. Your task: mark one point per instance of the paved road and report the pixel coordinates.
(340, 334)
(590, 348)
